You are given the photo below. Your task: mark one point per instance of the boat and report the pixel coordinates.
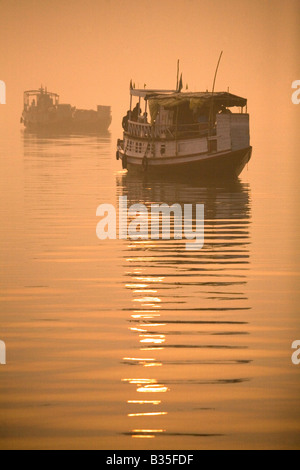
(43, 112)
(199, 133)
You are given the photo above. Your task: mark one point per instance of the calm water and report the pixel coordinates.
(144, 345)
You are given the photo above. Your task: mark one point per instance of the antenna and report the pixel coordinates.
(213, 88)
(212, 93)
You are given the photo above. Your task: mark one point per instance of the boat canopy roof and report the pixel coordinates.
(170, 98)
(174, 99)
(143, 93)
(195, 101)
(39, 92)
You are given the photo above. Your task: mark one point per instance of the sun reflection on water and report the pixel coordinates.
(181, 293)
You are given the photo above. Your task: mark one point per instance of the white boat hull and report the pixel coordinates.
(219, 163)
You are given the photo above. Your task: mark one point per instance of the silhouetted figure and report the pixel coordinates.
(135, 113)
(125, 121)
(224, 110)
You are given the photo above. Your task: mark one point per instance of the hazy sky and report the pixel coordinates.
(88, 50)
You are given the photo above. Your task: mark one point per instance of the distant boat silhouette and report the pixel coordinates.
(42, 111)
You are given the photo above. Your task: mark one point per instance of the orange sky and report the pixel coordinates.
(88, 50)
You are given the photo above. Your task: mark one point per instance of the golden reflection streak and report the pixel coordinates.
(140, 381)
(144, 402)
(139, 330)
(143, 242)
(137, 415)
(149, 335)
(151, 340)
(148, 430)
(149, 311)
(145, 317)
(138, 359)
(152, 349)
(141, 312)
(153, 364)
(146, 433)
(153, 389)
(149, 279)
(136, 286)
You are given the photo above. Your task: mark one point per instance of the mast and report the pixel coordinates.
(178, 65)
(212, 94)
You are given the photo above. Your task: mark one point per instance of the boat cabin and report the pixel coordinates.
(41, 99)
(166, 122)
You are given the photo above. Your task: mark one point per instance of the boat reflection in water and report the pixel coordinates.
(189, 316)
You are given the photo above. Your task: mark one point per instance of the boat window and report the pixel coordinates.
(138, 147)
(150, 148)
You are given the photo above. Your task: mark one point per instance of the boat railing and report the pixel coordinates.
(139, 129)
(172, 132)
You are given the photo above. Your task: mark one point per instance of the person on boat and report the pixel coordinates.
(125, 121)
(135, 113)
(224, 110)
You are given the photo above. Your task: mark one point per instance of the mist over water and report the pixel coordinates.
(142, 344)
(123, 344)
